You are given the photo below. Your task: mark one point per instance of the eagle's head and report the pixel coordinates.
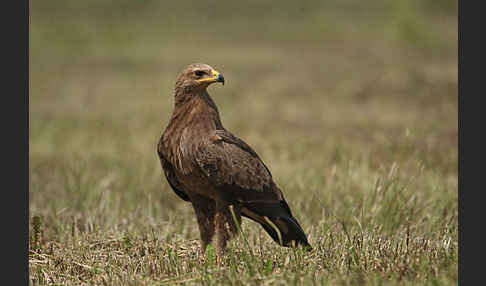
(198, 77)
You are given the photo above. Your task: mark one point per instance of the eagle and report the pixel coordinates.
(218, 173)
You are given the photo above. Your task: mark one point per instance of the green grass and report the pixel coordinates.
(352, 105)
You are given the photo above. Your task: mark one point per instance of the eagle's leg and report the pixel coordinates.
(227, 222)
(205, 209)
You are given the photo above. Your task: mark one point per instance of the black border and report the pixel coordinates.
(19, 222)
(15, 142)
(24, 50)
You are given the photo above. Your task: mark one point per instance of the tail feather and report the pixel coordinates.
(271, 215)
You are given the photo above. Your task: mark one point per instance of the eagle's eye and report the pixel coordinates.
(199, 73)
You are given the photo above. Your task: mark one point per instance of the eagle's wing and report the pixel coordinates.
(171, 178)
(228, 161)
(241, 177)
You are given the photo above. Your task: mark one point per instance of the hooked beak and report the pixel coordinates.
(216, 77)
(220, 78)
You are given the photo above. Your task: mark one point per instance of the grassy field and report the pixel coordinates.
(353, 106)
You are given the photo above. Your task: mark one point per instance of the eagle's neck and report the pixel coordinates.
(194, 119)
(196, 109)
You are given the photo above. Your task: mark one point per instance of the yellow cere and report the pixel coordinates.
(210, 79)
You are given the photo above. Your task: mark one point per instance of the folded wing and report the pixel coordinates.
(234, 169)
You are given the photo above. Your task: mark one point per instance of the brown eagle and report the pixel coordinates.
(217, 172)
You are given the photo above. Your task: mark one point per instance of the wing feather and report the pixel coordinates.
(230, 164)
(241, 177)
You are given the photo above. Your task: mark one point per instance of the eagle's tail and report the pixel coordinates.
(277, 220)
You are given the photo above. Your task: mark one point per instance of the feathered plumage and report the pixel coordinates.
(216, 171)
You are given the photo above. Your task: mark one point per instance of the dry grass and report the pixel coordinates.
(352, 106)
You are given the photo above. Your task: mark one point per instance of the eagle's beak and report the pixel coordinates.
(220, 78)
(216, 77)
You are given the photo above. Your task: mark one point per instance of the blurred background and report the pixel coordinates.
(312, 86)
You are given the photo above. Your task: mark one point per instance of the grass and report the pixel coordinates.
(352, 106)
